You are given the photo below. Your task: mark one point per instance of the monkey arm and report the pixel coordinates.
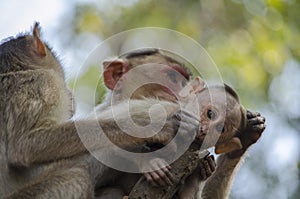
(219, 184)
(251, 133)
(46, 143)
(52, 141)
(195, 182)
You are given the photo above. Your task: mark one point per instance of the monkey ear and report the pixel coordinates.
(195, 86)
(113, 71)
(231, 145)
(39, 46)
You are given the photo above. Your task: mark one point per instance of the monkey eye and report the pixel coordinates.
(211, 114)
(184, 82)
(173, 75)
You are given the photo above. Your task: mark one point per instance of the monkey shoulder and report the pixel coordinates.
(35, 92)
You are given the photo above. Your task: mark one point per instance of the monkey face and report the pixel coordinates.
(219, 118)
(146, 76)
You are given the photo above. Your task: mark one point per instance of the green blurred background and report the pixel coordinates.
(254, 43)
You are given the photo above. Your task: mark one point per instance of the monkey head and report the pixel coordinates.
(28, 52)
(221, 115)
(148, 73)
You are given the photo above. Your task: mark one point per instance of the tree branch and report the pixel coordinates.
(181, 169)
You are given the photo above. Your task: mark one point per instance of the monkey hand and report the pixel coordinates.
(182, 123)
(160, 174)
(251, 133)
(206, 167)
(254, 129)
(186, 125)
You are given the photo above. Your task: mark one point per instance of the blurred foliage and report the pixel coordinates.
(251, 41)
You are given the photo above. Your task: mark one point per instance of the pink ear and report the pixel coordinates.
(113, 71)
(39, 46)
(195, 86)
(231, 145)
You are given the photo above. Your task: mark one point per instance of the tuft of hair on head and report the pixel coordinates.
(144, 52)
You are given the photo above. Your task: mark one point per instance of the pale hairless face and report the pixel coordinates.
(220, 115)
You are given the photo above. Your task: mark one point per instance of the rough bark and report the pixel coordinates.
(181, 169)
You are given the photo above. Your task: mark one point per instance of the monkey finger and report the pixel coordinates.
(251, 114)
(165, 177)
(211, 162)
(208, 168)
(156, 179)
(191, 122)
(162, 168)
(256, 120)
(188, 114)
(169, 167)
(157, 164)
(203, 171)
(177, 116)
(150, 179)
(188, 119)
(189, 128)
(260, 128)
(261, 119)
(163, 164)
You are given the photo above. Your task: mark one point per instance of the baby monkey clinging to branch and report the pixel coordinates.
(221, 116)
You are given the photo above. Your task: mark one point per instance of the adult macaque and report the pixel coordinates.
(41, 154)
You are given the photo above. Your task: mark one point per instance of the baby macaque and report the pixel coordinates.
(221, 116)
